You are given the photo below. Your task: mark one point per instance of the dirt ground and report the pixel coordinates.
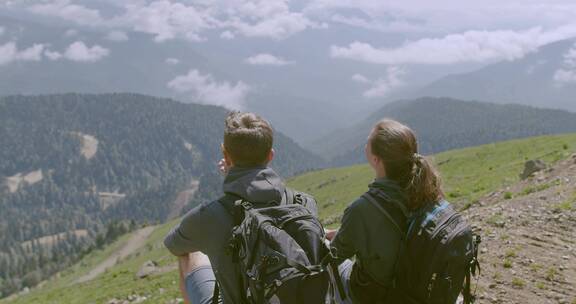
(528, 253)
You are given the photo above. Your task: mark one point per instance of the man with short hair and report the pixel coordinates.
(200, 241)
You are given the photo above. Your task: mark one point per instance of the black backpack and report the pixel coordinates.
(279, 249)
(438, 254)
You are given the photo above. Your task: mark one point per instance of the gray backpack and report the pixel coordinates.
(438, 254)
(278, 249)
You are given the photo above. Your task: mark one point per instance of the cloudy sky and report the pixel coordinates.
(437, 33)
(450, 31)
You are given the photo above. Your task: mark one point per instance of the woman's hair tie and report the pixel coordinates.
(416, 157)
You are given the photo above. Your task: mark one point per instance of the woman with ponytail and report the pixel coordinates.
(404, 179)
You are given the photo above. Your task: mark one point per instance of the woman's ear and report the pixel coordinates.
(370, 157)
(270, 156)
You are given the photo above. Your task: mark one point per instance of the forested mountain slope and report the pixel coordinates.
(518, 265)
(443, 124)
(72, 164)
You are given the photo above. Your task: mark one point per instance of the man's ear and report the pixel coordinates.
(226, 156)
(270, 156)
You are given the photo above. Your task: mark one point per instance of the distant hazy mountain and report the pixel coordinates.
(75, 163)
(444, 124)
(310, 90)
(534, 80)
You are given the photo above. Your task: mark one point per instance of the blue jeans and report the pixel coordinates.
(345, 270)
(200, 285)
(201, 281)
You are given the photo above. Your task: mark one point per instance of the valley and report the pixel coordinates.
(112, 119)
(103, 164)
(527, 227)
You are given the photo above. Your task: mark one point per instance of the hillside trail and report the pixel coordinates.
(136, 241)
(528, 253)
(182, 199)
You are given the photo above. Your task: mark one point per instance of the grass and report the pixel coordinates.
(496, 220)
(118, 282)
(518, 283)
(567, 205)
(468, 174)
(511, 253)
(537, 188)
(535, 267)
(551, 274)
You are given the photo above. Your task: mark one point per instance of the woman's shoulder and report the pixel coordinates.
(358, 204)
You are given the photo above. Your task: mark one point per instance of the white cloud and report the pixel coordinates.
(383, 86)
(444, 16)
(267, 59)
(570, 57)
(206, 89)
(117, 36)
(531, 69)
(9, 53)
(279, 19)
(280, 26)
(564, 77)
(71, 33)
(167, 20)
(172, 61)
(375, 24)
(263, 18)
(52, 55)
(33, 53)
(567, 73)
(359, 78)
(78, 51)
(470, 46)
(66, 10)
(227, 35)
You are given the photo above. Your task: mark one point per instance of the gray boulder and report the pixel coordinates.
(531, 167)
(147, 269)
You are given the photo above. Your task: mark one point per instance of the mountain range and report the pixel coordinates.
(72, 164)
(545, 78)
(444, 124)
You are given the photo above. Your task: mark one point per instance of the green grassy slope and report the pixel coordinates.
(468, 174)
(118, 282)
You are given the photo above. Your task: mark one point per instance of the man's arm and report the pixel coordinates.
(188, 263)
(191, 234)
(183, 262)
(330, 233)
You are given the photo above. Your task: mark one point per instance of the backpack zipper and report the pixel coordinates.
(454, 217)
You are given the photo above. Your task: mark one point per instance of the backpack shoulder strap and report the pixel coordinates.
(376, 193)
(472, 270)
(216, 293)
(235, 205)
(289, 196)
(368, 196)
(298, 197)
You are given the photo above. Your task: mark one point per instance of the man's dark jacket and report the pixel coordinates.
(207, 228)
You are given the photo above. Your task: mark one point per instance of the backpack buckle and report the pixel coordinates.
(232, 250)
(244, 204)
(298, 199)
